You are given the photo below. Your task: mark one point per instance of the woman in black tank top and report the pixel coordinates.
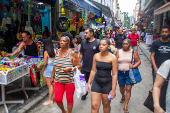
(30, 47)
(103, 78)
(31, 50)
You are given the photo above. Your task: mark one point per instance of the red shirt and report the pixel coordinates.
(133, 38)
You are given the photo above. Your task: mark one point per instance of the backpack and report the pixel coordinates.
(98, 43)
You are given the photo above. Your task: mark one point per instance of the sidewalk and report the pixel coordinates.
(145, 49)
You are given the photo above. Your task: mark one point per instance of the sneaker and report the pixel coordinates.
(84, 96)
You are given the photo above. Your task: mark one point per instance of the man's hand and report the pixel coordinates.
(138, 44)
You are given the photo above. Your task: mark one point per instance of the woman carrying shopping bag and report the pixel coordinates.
(101, 82)
(124, 64)
(65, 63)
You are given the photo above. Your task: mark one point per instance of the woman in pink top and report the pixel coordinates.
(46, 33)
(124, 64)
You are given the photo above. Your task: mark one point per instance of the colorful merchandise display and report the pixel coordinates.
(42, 77)
(33, 62)
(11, 69)
(14, 67)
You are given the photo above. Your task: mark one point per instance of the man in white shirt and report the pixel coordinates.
(82, 33)
(161, 77)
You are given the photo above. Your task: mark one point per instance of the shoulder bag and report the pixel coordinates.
(134, 74)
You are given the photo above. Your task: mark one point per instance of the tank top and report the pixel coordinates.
(51, 60)
(124, 59)
(60, 63)
(103, 75)
(31, 50)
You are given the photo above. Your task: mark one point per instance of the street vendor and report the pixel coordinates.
(29, 45)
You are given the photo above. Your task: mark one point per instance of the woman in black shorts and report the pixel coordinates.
(104, 72)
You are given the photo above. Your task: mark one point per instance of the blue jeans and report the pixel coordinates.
(123, 78)
(153, 75)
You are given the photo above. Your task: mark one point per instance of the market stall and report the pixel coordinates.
(14, 68)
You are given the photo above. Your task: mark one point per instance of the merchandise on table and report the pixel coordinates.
(8, 75)
(2, 54)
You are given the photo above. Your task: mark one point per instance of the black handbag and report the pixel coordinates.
(162, 100)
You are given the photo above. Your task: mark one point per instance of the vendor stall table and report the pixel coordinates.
(11, 76)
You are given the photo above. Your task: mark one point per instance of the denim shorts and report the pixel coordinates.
(48, 70)
(123, 78)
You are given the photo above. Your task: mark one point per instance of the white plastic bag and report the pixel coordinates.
(80, 83)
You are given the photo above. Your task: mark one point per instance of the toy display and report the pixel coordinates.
(14, 67)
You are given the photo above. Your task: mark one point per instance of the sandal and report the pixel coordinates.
(125, 110)
(122, 100)
(47, 103)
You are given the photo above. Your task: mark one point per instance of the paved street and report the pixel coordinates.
(139, 94)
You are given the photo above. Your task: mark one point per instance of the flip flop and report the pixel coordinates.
(47, 103)
(125, 110)
(122, 100)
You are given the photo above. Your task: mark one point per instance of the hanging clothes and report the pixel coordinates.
(45, 18)
(149, 39)
(33, 74)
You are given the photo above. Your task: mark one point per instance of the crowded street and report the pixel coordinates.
(139, 94)
(84, 56)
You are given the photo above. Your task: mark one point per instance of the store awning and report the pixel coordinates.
(162, 9)
(86, 4)
(105, 10)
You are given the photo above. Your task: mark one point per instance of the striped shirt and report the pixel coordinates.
(60, 63)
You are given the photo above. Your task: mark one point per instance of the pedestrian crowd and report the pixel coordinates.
(104, 59)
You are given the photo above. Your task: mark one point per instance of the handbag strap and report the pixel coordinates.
(132, 56)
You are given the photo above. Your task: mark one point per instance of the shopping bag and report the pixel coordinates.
(80, 83)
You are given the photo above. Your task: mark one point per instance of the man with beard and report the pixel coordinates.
(89, 48)
(160, 50)
(118, 40)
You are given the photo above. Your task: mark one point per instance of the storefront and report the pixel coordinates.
(32, 16)
(37, 13)
(75, 15)
(162, 15)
